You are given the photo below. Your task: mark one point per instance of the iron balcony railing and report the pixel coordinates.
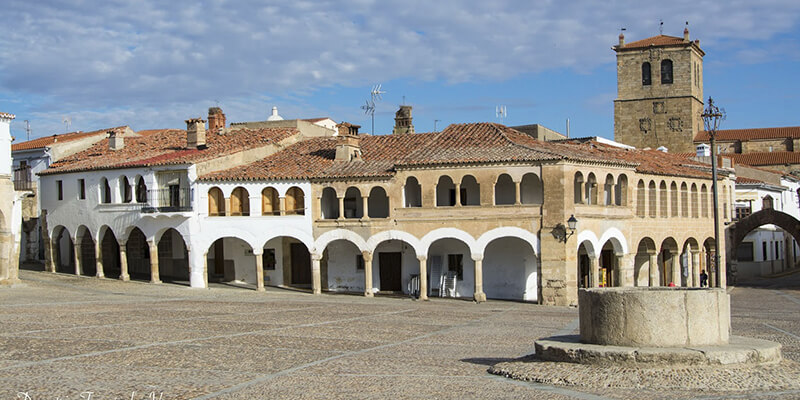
(171, 199)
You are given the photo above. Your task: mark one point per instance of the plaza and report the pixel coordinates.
(63, 335)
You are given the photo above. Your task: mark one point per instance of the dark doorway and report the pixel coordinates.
(219, 257)
(301, 264)
(390, 270)
(583, 271)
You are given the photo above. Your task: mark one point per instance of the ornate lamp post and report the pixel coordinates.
(712, 116)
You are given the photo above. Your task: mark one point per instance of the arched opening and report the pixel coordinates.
(141, 190)
(295, 201)
(88, 256)
(173, 258)
(591, 189)
(710, 262)
(378, 203)
(125, 189)
(510, 270)
(445, 192)
(621, 193)
(270, 202)
(704, 200)
(766, 202)
(532, 191)
(673, 199)
(608, 190)
(646, 77)
(63, 251)
(231, 260)
(651, 197)
(577, 185)
(662, 197)
(412, 192)
(330, 204)
(763, 243)
(216, 202)
(394, 266)
(585, 257)
(470, 191)
(504, 190)
(642, 267)
(695, 201)
(684, 200)
(452, 271)
(240, 202)
(640, 199)
(353, 205)
(109, 250)
(669, 267)
(105, 191)
(137, 252)
(666, 71)
(609, 274)
(690, 268)
(342, 267)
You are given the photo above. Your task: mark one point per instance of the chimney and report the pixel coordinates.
(216, 120)
(195, 133)
(115, 141)
(348, 147)
(686, 34)
(703, 150)
(621, 39)
(402, 121)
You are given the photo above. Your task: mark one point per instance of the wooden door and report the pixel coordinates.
(390, 270)
(301, 264)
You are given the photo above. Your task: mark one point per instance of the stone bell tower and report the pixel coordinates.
(659, 92)
(403, 121)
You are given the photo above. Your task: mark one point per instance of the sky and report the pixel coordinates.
(153, 64)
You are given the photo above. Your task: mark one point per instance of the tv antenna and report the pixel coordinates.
(501, 112)
(67, 121)
(661, 27)
(376, 94)
(434, 124)
(28, 129)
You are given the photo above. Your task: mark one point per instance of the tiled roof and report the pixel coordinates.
(7, 115)
(660, 40)
(748, 181)
(313, 120)
(457, 144)
(64, 137)
(751, 134)
(766, 158)
(166, 147)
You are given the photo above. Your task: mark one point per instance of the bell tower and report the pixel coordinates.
(659, 92)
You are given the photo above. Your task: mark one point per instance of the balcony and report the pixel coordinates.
(22, 179)
(168, 200)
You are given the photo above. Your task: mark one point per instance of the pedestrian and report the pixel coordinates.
(703, 278)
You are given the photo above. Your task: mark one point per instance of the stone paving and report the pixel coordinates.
(61, 336)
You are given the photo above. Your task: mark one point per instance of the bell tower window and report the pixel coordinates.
(666, 71)
(646, 74)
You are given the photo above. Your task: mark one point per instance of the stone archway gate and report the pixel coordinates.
(737, 231)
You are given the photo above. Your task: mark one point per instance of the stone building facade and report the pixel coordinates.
(659, 92)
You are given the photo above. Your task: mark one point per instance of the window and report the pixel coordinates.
(745, 251)
(270, 202)
(455, 264)
(125, 188)
(268, 259)
(359, 262)
(141, 191)
(295, 201)
(106, 191)
(646, 73)
(216, 202)
(766, 202)
(764, 251)
(743, 211)
(240, 202)
(81, 189)
(60, 190)
(666, 71)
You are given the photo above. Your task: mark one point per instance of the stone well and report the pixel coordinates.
(654, 317)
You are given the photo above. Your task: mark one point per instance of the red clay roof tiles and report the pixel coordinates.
(766, 158)
(64, 137)
(751, 134)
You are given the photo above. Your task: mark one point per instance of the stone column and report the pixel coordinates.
(205, 269)
(365, 207)
(695, 268)
(594, 272)
(676, 269)
(77, 255)
(518, 194)
(98, 255)
(123, 263)
(154, 278)
(259, 271)
(653, 269)
(341, 207)
(423, 277)
(282, 204)
(316, 276)
(49, 255)
(622, 272)
(458, 195)
(367, 273)
(478, 294)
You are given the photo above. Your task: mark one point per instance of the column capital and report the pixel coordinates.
(422, 257)
(476, 257)
(258, 252)
(367, 255)
(316, 257)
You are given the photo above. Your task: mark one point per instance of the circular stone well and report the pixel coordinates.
(654, 316)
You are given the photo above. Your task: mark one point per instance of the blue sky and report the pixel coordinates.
(152, 64)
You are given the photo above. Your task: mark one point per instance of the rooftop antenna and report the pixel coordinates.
(661, 27)
(67, 123)
(501, 112)
(376, 94)
(28, 129)
(434, 124)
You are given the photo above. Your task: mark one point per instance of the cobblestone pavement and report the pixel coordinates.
(61, 336)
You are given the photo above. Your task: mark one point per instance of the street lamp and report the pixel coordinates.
(560, 231)
(712, 116)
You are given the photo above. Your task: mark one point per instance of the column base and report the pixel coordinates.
(423, 297)
(11, 283)
(156, 281)
(368, 294)
(100, 276)
(260, 289)
(479, 297)
(125, 278)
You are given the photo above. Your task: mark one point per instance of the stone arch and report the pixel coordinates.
(63, 256)
(287, 231)
(577, 184)
(412, 193)
(353, 205)
(531, 189)
(669, 261)
(295, 201)
(511, 268)
(621, 191)
(137, 252)
(378, 203)
(447, 233)
(508, 231)
(338, 234)
(173, 256)
(225, 231)
(329, 204)
(767, 216)
(651, 199)
(641, 267)
(86, 260)
(445, 192)
(617, 240)
(592, 240)
(376, 239)
(662, 200)
(470, 191)
(109, 253)
(504, 190)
